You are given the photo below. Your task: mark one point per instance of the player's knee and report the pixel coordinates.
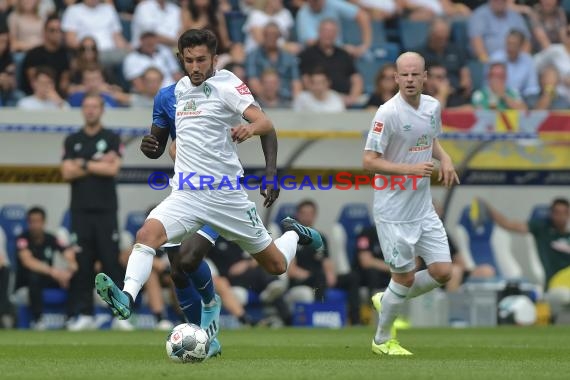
(275, 267)
(148, 236)
(189, 261)
(443, 275)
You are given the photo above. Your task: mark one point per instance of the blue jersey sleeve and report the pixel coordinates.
(164, 110)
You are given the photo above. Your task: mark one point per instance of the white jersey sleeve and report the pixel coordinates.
(236, 95)
(380, 132)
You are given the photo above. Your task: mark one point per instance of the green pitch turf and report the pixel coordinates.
(448, 354)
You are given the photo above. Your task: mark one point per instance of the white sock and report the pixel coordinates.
(423, 283)
(138, 269)
(392, 302)
(287, 244)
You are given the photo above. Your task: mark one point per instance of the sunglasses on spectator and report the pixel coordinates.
(87, 48)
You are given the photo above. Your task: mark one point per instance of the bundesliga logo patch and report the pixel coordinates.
(378, 126)
(243, 89)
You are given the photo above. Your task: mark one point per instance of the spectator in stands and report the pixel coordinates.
(92, 81)
(87, 55)
(319, 97)
(162, 17)
(91, 162)
(551, 94)
(489, 25)
(151, 82)
(379, 10)
(45, 96)
(549, 24)
(99, 20)
(36, 266)
(270, 56)
(553, 245)
(51, 53)
(339, 65)
(238, 69)
(496, 95)
(521, 72)
(310, 17)
(439, 86)
(270, 11)
(270, 96)
(150, 54)
(25, 25)
(6, 317)
(426, 10)
(242, 271)
(9, 94)
(439, 48)
(198, 14)
(385, 88)
(314, 271)
(557, 55)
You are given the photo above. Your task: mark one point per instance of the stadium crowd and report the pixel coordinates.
(308, 55)
(304, 55)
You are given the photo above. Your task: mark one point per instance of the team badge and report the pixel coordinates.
(207, 90)
(101, 145)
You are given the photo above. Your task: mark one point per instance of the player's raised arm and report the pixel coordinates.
(154, 144)
(259, 124)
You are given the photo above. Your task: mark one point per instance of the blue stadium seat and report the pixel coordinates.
(126, 27)
(477, 70)
(235, 22)
(459, 33)
(351, 33)
(285, 210)
(481, 241)
(368, 68)
(66, 220)
(13, 223)
(565, 4)
(135, 220)
(413, 34)
(389, 51)
(540, 212)
(354, 217)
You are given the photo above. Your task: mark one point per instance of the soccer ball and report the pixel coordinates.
(187, 343)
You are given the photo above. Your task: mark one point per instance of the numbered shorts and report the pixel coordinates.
(230, 213)
(402, 242)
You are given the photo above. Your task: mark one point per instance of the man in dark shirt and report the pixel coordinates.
(36, 270)
(338, 64)
(369, 262)
(91, 161)
(314, 268)
(53, 54)
(553, 245)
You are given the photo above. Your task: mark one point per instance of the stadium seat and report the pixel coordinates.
(126, 27)
(354, 217)
(565, 4)
(477, 70)
(284, 210)
(481, 241)
(351, 33)
(368, 67)
(459, 34)
(235, 22)
(413, 34)
(13, 223)
(530, 255)
(135, 220)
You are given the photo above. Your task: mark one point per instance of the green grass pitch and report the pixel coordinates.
(500, 353)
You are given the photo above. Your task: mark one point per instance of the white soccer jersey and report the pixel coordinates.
(403, 134)
(204, 116)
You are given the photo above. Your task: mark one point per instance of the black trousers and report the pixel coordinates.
(37, 282)
(5, 306)
(97, 237)
(375, 280)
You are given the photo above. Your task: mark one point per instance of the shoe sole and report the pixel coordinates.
(104, 284)
(307, 235)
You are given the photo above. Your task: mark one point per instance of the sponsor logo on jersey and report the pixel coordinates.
(243, 89)
(423, 143)
(190, 109)
(378, 126)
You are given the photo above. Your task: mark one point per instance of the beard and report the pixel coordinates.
(197, 78)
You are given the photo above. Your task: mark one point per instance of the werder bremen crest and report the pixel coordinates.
(190, 106)
(207, 90)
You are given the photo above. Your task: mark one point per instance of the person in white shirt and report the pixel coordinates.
(211, 107)
(45, 96)
(319, 97)
(98, 20)
(150, 54)
(271, 11)
(161, 16)
(402, 143)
